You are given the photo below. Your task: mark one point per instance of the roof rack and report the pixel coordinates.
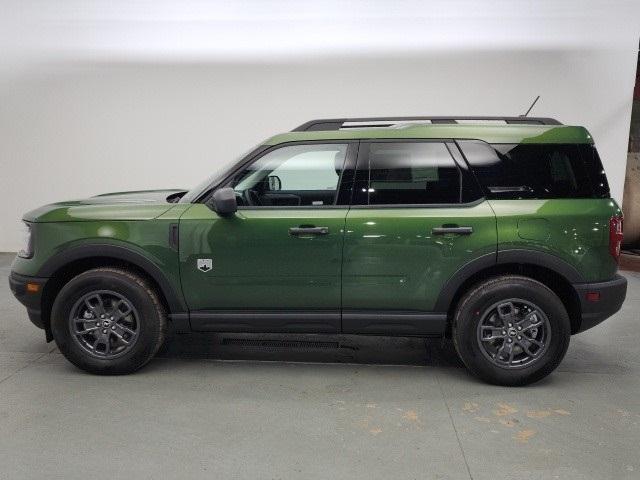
(385, 122)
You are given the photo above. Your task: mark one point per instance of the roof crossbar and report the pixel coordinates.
(385, 122)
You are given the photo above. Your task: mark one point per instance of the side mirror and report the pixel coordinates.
(274, 183)
(223, 202)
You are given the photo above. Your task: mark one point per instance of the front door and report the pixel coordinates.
(276, 264)
(415, 221)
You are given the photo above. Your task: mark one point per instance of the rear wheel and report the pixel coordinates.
(108, 321)
(511, 330)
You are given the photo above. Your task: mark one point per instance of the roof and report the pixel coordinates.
(507, 133)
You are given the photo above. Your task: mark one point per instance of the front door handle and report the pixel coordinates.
(458, 230)
(296, 231)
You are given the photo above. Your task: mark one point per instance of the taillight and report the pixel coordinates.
(615, 236)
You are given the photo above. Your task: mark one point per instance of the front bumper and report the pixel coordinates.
(610, 294)
(28, 291)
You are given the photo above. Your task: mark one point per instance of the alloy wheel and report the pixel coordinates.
(513, 333)
(104, 323)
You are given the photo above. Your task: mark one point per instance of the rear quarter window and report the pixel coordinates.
(536, 171)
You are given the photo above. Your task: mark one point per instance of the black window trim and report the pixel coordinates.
(491, 145)
(261, 151)
(463, 168)
(421, 205)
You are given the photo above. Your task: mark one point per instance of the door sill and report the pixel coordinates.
(232, 321)
(394, 323)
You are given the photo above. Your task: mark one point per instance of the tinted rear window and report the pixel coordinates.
(412, 173)
(513, 171)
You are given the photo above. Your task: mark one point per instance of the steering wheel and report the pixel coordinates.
(250, 197)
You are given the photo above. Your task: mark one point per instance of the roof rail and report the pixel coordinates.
(382, 122)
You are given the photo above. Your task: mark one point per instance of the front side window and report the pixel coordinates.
(410, 173)
(295, 175)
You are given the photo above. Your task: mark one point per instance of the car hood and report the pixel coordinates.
(137, 205)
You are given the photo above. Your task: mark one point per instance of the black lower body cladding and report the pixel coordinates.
(598, 301)
(28, 291)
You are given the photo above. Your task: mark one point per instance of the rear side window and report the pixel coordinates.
(537, 171)
(410, 173)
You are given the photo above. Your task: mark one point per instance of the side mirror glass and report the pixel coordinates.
(224, 202)
(275, 184)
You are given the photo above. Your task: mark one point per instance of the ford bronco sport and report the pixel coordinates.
(499, 233)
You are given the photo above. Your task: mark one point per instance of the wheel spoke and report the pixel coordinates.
(531, 320)
(507, 313)
(490, 333)
(122, 339)
(533, 341)
(118, 313)
(95, 304)
(107, 345)
(510, 360)
(525, 344)
(506, 352)
(126, 329)
(86, 330)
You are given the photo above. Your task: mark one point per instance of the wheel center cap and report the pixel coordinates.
(512, 332)
(106, 323)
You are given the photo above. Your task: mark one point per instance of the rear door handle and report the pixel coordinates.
(458, 230)
(295, 231)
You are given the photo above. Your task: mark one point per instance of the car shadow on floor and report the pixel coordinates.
(375, 350)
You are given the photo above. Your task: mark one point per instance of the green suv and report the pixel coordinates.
(499, 233)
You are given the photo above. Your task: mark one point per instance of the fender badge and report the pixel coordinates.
(204, 264)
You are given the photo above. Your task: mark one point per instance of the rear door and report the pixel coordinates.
(417, 217)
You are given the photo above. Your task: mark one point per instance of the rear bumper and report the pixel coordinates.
(611, 296)
(29, 297)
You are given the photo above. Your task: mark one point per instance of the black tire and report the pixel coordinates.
(476, 306)
(151, 323)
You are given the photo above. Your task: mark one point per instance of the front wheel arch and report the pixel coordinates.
(145, 319)
(61, 268)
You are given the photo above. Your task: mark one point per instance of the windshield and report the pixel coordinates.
(221, 172)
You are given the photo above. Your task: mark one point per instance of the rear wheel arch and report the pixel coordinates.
(549, 270)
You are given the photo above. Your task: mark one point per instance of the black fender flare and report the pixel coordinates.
(502, 257)
(118, 252)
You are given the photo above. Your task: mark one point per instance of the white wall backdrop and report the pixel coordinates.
(99, 97)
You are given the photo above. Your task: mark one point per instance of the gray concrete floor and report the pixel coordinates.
(374, 408)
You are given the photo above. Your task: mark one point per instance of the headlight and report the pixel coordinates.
(27, 242)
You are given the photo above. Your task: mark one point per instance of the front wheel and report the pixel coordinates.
(511, 330)
(108, 321)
